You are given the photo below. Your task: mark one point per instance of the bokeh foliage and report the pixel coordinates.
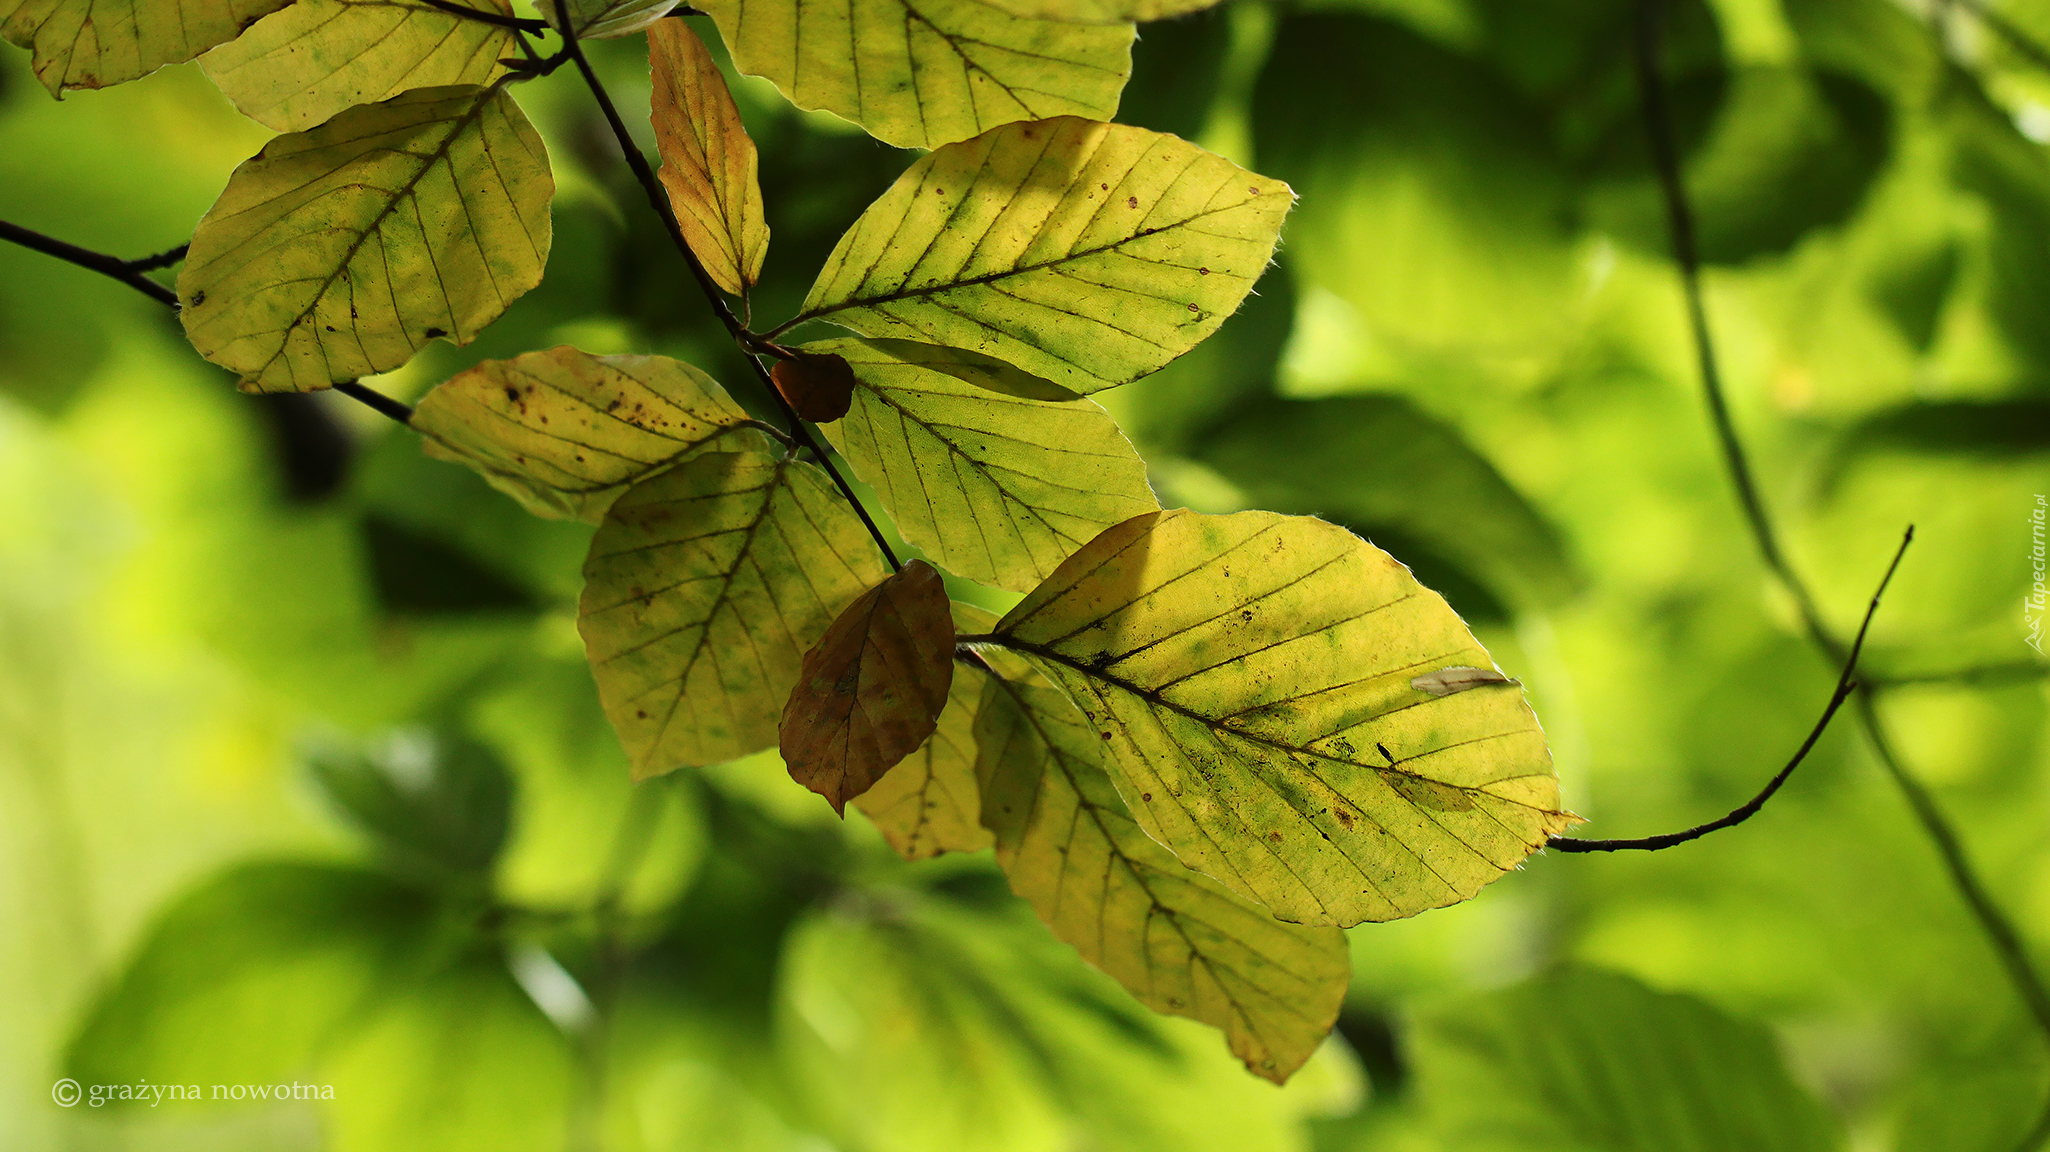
(292, 714)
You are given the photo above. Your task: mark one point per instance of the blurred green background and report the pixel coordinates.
(302, 777)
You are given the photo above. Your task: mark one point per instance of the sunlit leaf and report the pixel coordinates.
(1251, 677)
(704, 588)
(1102, 11)
(819, 386)
(870, 692)
(1089, 254)
(928, 72)
(997, 487)
(929, 803)
(607, 19)
(1175, 938)
(339, 252)
(564, 431)
(708, 161)
(1592, 1061)
(314, 58)
(100, 43)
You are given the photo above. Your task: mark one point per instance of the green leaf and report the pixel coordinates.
(704, 587)
(997, 487)
(315, 58)
(100, 43)
(709, 164)
(929, 804)
(1089, 254)
(1174, 938)
(339, 252)
(1252, 678)
(929, 72)
(606, 19)
(870, 692)
(563, 431)
(1102, 11)
(248, 976)
(1586, 1061)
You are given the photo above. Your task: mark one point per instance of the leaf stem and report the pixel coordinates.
(516, 23)
(130, 272)
(1998, 930)
(659, 201)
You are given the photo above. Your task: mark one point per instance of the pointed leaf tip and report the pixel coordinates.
(820, 386)
(871, 690)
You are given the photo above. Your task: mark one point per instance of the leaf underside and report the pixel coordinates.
(1251, 677)
(563, 431)
(607, 19)
(1087, 254)
(704, 587)
(996, 487)
(871, 690)
(709, 165)
(339, 252)
(922, 73)
(1179, 941)
(314, 58)
(101, 43)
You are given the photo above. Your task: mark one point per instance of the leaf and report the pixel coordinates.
(607, 19)
(705, 586)
(929, 803)
(1089, 254)
(1246, 673)
(1102, 11)
(339, 252)
(563, 431)
(928, 72)
(708, 161)
(871, 690)
(819, 387)
(101, 43)
(1176, 939)
(1591, 1061)
(996, 487)
(314, 58)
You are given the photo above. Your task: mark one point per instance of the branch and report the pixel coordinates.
(1845, 685)
(129, 272)
(1993, 923)
(659, 201)
(516, 23)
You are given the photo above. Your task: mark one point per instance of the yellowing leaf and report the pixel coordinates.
(929, 803)
(100, 43)
(1103, 11)
(871, 690)
(922, 73)
(1251, 677)
(339, 252)
(703, 589)
(995, 487)
(314, 58)
(1089, 254)
(1175, 938)
(607, 19)
(818, 387)
(564, 431)
(708, 161)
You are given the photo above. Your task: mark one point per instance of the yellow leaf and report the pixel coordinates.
(1103, 11)
(339, 252)
(1088, 254)
(708, 161)
(995, 486)
(929, 803)
(922, 73)
(1176, 939)
(101, 43)
(871, 690)
(1251, 675)
(315, 58)
(704, 586)
(564, 431)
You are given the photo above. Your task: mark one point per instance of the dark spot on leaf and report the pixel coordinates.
(433, 333)
(1246, 614)
(1131, 201)
(1146, 797)
(1193, 308)
(1105, 187)
(330, 327)
(1274, 836)
(1345, 819)
(198, 298)
(1202, 271)
(1385, 752)
(641, 715)
(1254, 191)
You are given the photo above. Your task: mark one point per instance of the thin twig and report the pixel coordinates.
(659, 201)
(516, 23)
(1845, 685)
(1993, 923)
(402, 413)
(162, 259)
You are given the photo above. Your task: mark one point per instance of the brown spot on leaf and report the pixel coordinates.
(1131, 201)
(436, 333)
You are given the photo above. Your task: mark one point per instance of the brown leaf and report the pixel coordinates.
(872, 688)
(708, 161)
(819, 385)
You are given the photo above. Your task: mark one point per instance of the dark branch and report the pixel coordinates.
(100, 262)
(1844, 687)
(161, 260)
(378, 400)
(516, 23)
(659, 201)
